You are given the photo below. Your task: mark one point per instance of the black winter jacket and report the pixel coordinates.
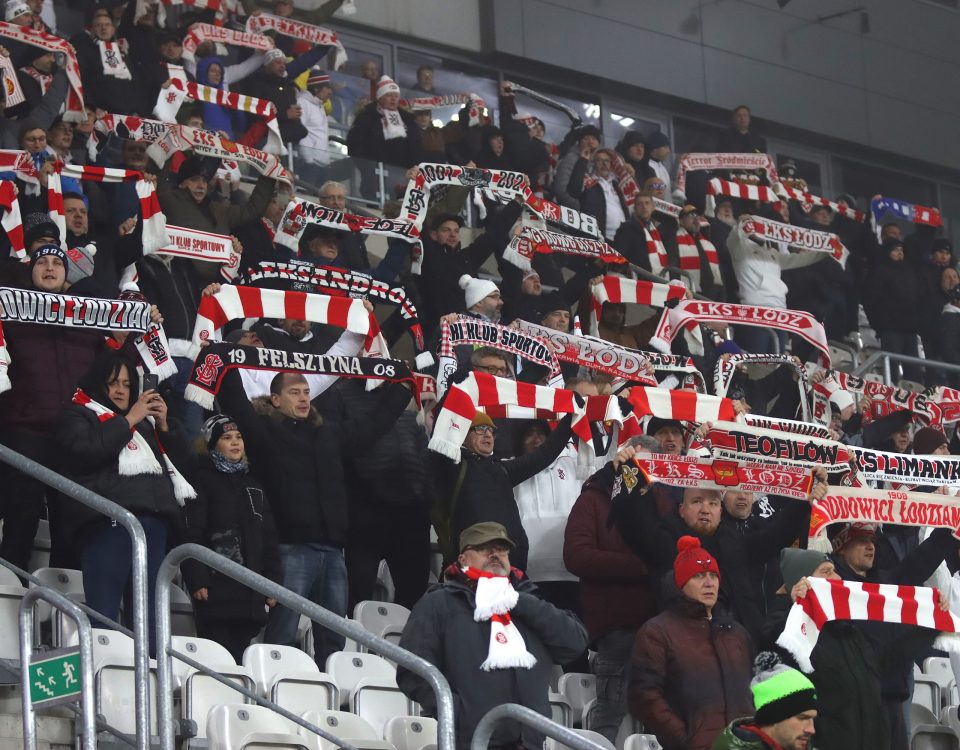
(231, 515)
(365, 139)
(441, 629)
(891, 297)
(300, 462)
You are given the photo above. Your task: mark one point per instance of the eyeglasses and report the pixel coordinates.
(500, 372)
(658, 186)
(482, 429)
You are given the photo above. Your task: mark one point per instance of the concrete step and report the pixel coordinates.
(53, 732)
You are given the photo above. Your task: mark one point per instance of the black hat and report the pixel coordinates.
(585, 130)
(656, 424)
(788, 168)
(551, 302)
(890, 243)
(631, 138)
(214, 428)
(941, 243)
(197, 166)
(49, 249)
(441, 218)
(848, 199)
(39, 225)
(656, 140)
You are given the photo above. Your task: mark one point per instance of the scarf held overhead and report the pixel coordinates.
(532, 240)
(812, 240)
(883, 208)
(74, 110)
(621, 290)
(205, 32)
(48, 308)
(865, 505)
(316, 35)
(743, 442)
(301, 214)
(11, 221)
(729, 162)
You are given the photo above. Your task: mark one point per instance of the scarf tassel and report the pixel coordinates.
(507, 649)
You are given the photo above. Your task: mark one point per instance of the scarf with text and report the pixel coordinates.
(154, 351)
(865, 505)
(111, 59)
(947, 401)
(533, 239)
(596, 354)
(762, 230)
(306, 277)
(807, 201)
(477, 105)
(665, 207)
(205, 32)
(788, 425)
(881, 466)
(621, 290)
(742, 191)
(884, 399)
(315, 35)
(74, 110)
(214, 361)
(392, 123)
(172, 98)
(722, 475)
(692, 311)
(45, 80)
(48, 308)
(493, 599)
(469, 331)
(128, 127)
(625, 183)
(221, 8)
(728, 162)
(884, 208)
(690, 249)
(301, 214)
(238, 302)
(13, 92)
(741, 442)
(180, 138)
(11, 221)
(830, 601)
(726, 368)
(197, 245)
(136, 457)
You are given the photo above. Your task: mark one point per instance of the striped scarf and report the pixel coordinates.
(205, 32)
(493, 599)
(11, 220)
(316, 35)
(862, 505)
(730, 162)
(618, 289)
(690, 260)
(829, 601)
(74, 110)
(5, 384)
(746, 192)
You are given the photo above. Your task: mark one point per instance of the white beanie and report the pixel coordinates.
(475, 290)
(14, 9)
(386, 85)
(274, 54)
(841, 399)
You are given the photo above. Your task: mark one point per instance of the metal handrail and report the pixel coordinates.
(524, 715)
(886, 357)
(88, 708)
(324, 617)
(141, 654)
(849, 349)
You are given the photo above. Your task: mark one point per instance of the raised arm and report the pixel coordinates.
(521, 468)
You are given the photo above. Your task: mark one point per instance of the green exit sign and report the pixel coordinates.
(55, 677)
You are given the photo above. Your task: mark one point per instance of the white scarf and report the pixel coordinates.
(111, 57)
(392, 122)
(495, 597)
(137, 457)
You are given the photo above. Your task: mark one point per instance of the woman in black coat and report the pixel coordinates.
(110, 442)
(232, 517)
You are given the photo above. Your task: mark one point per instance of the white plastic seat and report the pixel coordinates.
(628, 726)
(392, 632)
(65, 580)
(950, 718)
(8, 577)
(586, 719)
(926, 693)
(933, 737)
(10, 597)
(560, 710)
(555, 675)
(345, 726)
(641, 742)
(375, 616)
(579, 688)
(377, 700)
(411, 732)
(182, 620)
(939, 668)
(552, 744)
(290, 678)
(40, 552)
(115, 681)
(348, 668)
(64, 627)
(244, 727)
(200, 692)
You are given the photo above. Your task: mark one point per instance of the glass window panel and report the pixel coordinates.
(807, 170)
(692, 136)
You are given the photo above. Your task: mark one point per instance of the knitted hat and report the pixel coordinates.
(49, 249)
(480, 418)
(851, 531)
(657, 140)
(15, 9)
(630, 138)
(779, 692)
(841, 399)
(585, 130)
(274, 54)
(692, 559)
(475, 290)
(927, 440)
(386, 85)
(318, 77)
(798, 563)
(39, 225)
(890, 243)
(551, 302)
(214, 428)
(848, 199)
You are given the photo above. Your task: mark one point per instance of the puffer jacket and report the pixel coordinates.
(441, 629)
(737, 736)
(690, 675)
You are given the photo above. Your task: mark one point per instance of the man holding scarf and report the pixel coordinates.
(492, 637)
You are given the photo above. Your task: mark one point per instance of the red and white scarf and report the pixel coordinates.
(947, 400)
(534, 239)
(205, 32)
(619, 289)
(11, 220)
(13, 91)
(723, 475)
(111, 58)
(197, 245)
(5, 384)
(43, 79)
(808, 201)
(74, 105)
(316, 35)
(477, 105)
(128, 127)
(301, 214)
(884, 399)
(222, 8)
(725, 369)
(624, 183)
(692, 311)
(740, 190)
(154, 350)
(728, 162)
(829, 601)
(656, 252)
(170, 100)
(494, 598)
(743, 442)
(690, 256)
(762, 230)
(136, 457)
(787, 425)
(238, 302)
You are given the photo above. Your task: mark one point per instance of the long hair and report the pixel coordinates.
(104, 368)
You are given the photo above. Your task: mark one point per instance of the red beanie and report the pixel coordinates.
(692, 559)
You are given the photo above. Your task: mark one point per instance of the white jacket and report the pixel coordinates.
(314, 147)
(545, 501)
(758, 269)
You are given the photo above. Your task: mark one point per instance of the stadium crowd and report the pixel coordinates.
(651, 489)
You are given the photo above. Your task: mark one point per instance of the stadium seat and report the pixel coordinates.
(555, 676)
(377, 700)
(63, 628)
(348, 668)
(926, 693)
(114, 681)
(65, 580)
(8, 577)
(375, 616)
(411, 733)
(346, 726)
(40, 553)
(244, 727)
(586, 719)
(641, 742)
(949, 717)
(560, 710)
(182, 620)
(10, 597)
(628, 726)
(940, 669)
(933, 737)
(290, 678)
(579, 688)
(599, 739)
(200, 692)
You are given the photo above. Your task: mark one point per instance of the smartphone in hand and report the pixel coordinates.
(149, 382)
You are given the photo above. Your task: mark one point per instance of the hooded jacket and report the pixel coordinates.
(892, 296)
(441, 629)
(737, 737)
(215, 117)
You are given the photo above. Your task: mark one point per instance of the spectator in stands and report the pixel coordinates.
(613, 327)
(42, 112)
(633, 149)
(314, 150)
(931, 296)
(451, 628)
(124, 448)
(658, 149)
(492, 153)
(257, 236)
(690, 673)
(739, 138)
(424, 82)
(950, 332)
(482, 298)
(433, 145)
(631, 237)
(892, 301)
(599, 193)
(701, 259)
(299, 457)
(213, 72)
(109, 76)
(586, 141)
(616, 591)
(786, 704)
(231, 515)
(18, 13)
(669, 434)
